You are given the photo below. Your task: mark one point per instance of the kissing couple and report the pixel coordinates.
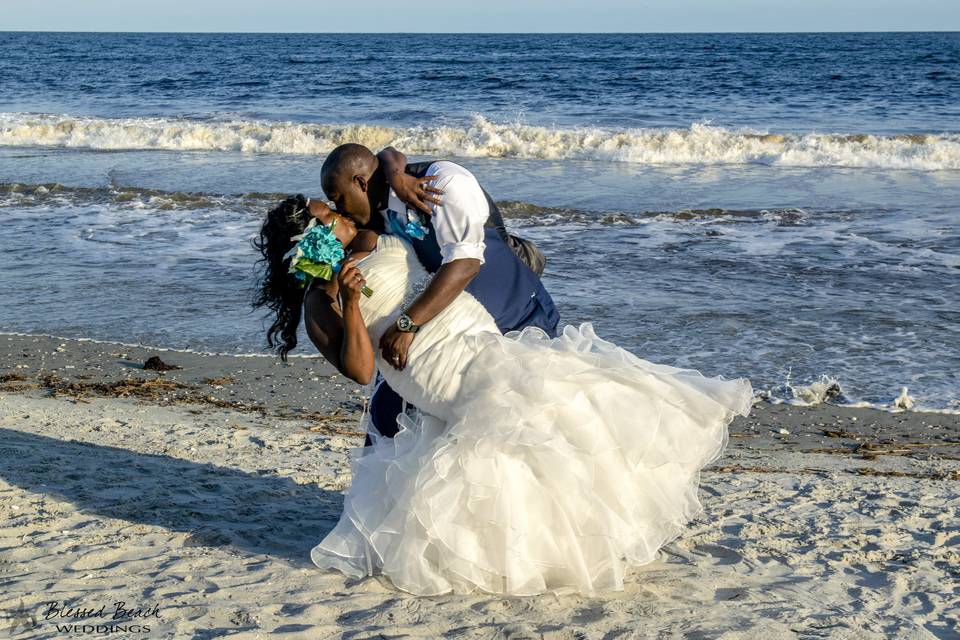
(503, 454)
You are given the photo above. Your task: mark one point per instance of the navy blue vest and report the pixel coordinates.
(505, 286)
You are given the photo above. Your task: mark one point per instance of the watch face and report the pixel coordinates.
(404, 323)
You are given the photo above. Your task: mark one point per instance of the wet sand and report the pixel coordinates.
(199, 492)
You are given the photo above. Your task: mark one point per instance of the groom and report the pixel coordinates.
(460, 240)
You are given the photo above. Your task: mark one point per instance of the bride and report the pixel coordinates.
(524, 464)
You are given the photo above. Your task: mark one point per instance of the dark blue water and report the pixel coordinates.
(855, 83)
(782, 206)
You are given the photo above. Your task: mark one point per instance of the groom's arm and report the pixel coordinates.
(410, 189)
(459, 225)
(448, 283)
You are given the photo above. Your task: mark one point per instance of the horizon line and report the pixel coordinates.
(439, 33)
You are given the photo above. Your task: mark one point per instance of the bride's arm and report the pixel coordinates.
(356, 352)
(339, 332)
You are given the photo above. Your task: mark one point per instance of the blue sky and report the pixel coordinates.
(480, 15)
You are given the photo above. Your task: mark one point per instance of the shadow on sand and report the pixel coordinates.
(255, 512)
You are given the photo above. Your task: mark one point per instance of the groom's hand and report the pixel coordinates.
(395, 345)
(416, 192)
(413, 191)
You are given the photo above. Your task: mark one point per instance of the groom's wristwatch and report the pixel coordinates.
(405, 324)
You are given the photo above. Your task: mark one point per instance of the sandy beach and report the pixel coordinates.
(194, 495)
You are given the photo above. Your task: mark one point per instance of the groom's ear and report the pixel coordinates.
(361, 182)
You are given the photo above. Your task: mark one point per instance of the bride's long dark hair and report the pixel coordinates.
(277, 289)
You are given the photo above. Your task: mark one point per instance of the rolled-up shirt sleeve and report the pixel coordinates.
(459, 220)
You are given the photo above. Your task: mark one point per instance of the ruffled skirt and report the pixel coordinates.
(563, 462)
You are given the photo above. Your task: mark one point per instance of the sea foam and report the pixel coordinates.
(699, 144)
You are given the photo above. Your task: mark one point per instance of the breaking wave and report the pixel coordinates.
(22, 195)
(698, 144)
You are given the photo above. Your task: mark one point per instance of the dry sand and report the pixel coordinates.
(196, 494)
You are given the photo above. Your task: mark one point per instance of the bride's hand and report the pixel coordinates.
(415, 192)
(351, 282)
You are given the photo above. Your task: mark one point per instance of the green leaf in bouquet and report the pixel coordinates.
(315, 269)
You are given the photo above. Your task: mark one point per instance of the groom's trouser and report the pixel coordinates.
(385, 406)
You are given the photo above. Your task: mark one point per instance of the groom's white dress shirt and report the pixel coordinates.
(458, 221)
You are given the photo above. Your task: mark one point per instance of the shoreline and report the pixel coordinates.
(304, 386)
(201, 498)
(308, 388)
(42, 343)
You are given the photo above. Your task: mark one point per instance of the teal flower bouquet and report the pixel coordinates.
(317, 254)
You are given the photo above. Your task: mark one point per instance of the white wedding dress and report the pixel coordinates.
(532, 465)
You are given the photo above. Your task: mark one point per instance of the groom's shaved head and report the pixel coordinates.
(347, 177)
(343, 163)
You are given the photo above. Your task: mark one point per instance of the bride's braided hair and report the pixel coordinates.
(277, 289)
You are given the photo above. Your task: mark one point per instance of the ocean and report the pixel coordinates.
(777, 206)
